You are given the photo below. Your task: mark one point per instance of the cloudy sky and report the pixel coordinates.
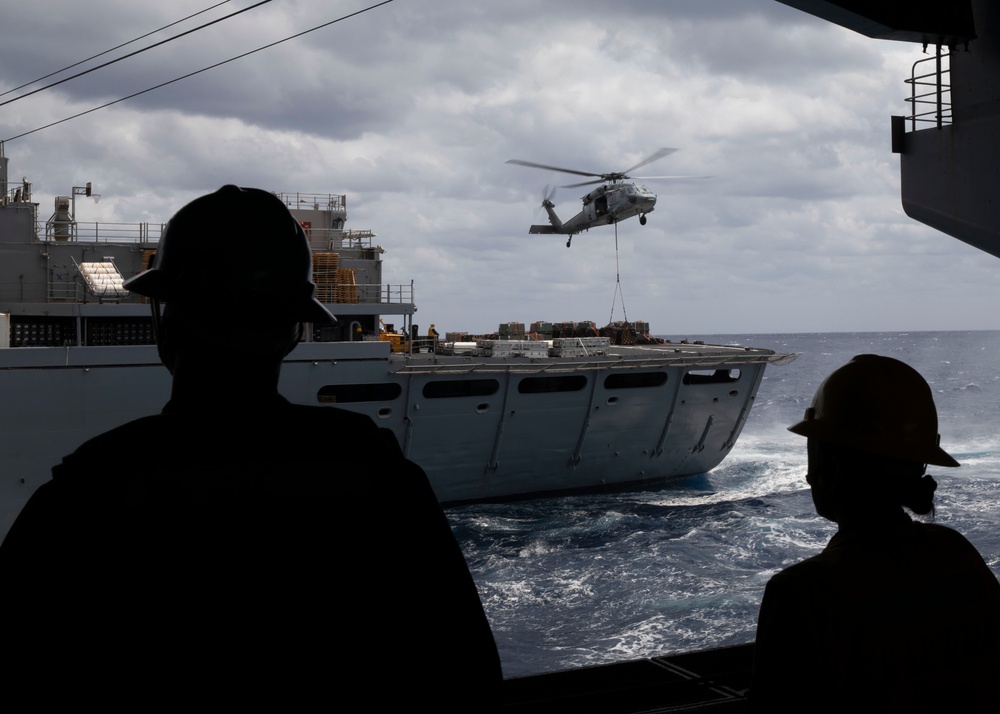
(413, 108)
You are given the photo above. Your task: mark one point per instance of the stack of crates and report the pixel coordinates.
(511, 331)
(580, 346)
(325, 266)
(347, 287)
(574, 329)
(628, 333)
(512, 348)
(542, 329)
(620, 333)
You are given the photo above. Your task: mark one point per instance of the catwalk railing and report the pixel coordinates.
(930, 91)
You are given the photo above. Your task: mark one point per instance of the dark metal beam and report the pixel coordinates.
(944, 22)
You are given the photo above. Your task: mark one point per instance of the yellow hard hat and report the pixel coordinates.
(880, 405)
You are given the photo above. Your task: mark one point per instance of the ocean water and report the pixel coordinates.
(584, 580)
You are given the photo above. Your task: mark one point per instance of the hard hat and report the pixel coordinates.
(238, 247)
(880, 405)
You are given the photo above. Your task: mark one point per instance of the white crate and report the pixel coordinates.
(511, 348)
(580, 346)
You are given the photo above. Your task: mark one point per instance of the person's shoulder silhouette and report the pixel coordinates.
(235, 543)
(900, 614)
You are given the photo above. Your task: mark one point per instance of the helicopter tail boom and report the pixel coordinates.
(553, 218)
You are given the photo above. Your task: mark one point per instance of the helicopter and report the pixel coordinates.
(613, 201)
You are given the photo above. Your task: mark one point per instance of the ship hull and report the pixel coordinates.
(482, 428)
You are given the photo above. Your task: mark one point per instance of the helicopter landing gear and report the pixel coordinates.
(568, 241)
(642, 220)
(611, 218)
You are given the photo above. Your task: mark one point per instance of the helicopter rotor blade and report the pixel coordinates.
(584, 183)
(650, 159)
(647, 178)
(533, 165)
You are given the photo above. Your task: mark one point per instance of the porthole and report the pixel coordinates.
(348, 393)
(708, 376)
(635, 380)
(548, 385)
(452, 388)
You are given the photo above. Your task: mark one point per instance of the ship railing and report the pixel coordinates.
(427, 345)
(930, 91)
(63, 286)
(331, 239)
(96, 232)
(315, 201)
(334, 239)
(558, 365)
(395, 294)
(364, 294)
(77, 292)
(20, 194)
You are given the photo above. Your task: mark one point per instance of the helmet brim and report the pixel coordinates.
(154, 284)
(317, 313)
(817, 429)
(149, 283)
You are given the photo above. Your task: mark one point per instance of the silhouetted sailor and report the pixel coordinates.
(235, 547)
(893, 615)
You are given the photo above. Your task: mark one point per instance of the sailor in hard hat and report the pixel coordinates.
(238, 549)
(898, 614)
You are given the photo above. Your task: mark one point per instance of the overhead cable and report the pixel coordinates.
(204, 69)
(133, 54)
(117, 47)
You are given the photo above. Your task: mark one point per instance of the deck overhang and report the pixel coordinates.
(946, 22)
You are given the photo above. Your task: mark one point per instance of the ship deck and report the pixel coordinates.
(691, 356)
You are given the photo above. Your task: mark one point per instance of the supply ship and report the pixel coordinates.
(494, 418)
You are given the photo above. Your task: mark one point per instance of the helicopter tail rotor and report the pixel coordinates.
(547, 194)
(547, 205)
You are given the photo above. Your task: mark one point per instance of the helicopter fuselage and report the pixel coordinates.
(606, 204)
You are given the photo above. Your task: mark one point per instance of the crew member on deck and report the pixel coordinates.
(237, 549)
(894, 614)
